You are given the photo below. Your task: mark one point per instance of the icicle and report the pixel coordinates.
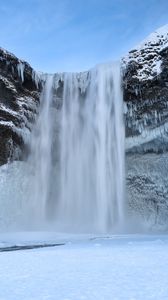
(131, 112)
(136, 91)
(35, 78)
(20, 68)
(125, 108)
(156, 117)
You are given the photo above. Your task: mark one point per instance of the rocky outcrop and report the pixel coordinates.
(146, 94)
(19, 98)
(146, 117)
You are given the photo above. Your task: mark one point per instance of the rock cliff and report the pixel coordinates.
(146, 118)
(146, 93)
(19, 98)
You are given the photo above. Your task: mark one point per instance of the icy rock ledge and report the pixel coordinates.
(20, 88)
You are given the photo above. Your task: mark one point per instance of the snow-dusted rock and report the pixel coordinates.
(146, 94)
(19, 97)
(148, 55)
(146, 117)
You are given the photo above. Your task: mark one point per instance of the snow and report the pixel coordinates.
(7, 52)
(7, 123)
(159, 34)
(8, 84)
(115, 267)
(147, 54)
(157, 66)
(8, 110)
(27, 110)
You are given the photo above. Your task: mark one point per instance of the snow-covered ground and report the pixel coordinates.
(86, 267)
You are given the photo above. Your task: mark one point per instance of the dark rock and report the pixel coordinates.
(19, 99)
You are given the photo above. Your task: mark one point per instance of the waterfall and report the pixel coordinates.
(41, 155)
(92, 151)
(78, 152)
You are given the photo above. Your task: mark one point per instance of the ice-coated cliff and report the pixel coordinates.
(146, 118)
(146, 91)
(19, 98)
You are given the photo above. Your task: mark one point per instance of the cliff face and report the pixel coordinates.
(146, 118)
(19, 97)
(146, 93)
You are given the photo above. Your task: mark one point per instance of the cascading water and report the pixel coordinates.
(41, 154)
(74, 177)
(92, 152)
(83, 185)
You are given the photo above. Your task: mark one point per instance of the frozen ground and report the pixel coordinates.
(86, 267)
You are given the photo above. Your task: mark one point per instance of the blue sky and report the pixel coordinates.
(74, 35)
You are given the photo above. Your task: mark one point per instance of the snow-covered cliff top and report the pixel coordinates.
(147, 54)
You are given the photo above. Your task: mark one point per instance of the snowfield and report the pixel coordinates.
(86, 267)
